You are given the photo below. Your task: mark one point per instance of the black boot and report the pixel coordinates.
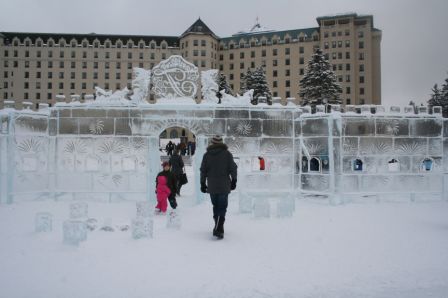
(215, 226)
(220, 227)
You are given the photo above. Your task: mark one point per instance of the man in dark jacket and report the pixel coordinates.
(177, 167)
(218, 178)
(171, 183)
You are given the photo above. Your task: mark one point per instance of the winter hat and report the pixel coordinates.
(165, 163)
(217, 139)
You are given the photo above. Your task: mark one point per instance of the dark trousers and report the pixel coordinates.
(220, 202)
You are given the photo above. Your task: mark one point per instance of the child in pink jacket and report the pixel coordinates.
(163, 192)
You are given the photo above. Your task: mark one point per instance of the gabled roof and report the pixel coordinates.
(199, 27)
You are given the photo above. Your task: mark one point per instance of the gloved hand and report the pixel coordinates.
(233, 184)
(203, 187)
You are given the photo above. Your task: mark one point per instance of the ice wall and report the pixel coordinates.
(111, 153)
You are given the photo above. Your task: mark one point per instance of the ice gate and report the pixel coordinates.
(107, 152)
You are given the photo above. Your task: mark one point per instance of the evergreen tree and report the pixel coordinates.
(260, 86)
(246, 82)
(318, 85)
(222, 85)
(439, 97)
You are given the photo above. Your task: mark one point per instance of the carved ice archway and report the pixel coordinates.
(198, 127)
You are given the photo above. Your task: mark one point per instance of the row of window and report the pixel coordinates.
(73, 64)
(267, 41)
(339, 33)
(85, 43)
(340, 67)
(84, 55)
(196, 44)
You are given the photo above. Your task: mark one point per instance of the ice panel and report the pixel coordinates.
(445, 128)
(410, 146)
(73, 182)
(117, 113)
(75, 231)
(142, 227)
(262, 208)
(30, 125)
(138, 182)
(173, 220)
(315, 127)
(435, 147)
(231, 114)
(274, 164)
(96, 126)
(110, 182)
(350, 183)
(123, 126)
(68, 126)
(297, 128)
(278, 128)
(377, 183)
(159, 114)
(53, 127)
(315, 182)
(244, 203)
(375, 146)
(271, 115)
(426, 127)
(43, 222)
(427, 164)
(65, 112)
(358, 126)
(350, 146)
(392, 127)
(79, 210)
(203, 114)
(410, 183)
(30, 181)
(267, 181)
(276, 146)
(243, 128)
(243, 146)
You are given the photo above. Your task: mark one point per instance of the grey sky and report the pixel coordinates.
(414, 45)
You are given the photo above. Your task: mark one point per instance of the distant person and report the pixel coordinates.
(177, 168)
(218, 178)
(261, 161)
(170, 182)
(169, 148)
(193, 147)
(163, 192)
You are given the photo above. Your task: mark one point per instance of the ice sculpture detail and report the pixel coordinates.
(140, 85)
(209, 85)
(175, 78)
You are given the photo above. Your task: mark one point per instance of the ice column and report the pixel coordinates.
(154, 166)
(75, 231)
(142, 227)
(144, 209)
(201, 146)
(78, 210)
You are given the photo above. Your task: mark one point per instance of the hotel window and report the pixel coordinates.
(118, 55)
(274, 63)
(287, 62)
(361, 56)
(27, 75)
(361, 79)
(84, 75)
(117, 76)
(347, 90)
(301, 71)
(326, 45)
(274, 52)
(140, 64)
(25, 96)
(129, 65)
(242, 55)
(340, 44)
(37, 85)
(49, 96)
(347, 32)
(106, 65)
(347, 78)
(252, 54)
(302, 50)
(326, 34)
(339, 66)
(274, 73)
(61, 54)
(72, 86)
(221, 57)
(301, 61)
(61, 64)
(129, 76)
(347, 43)
(333, 44)
(334, 67)
(339, 55)
(361, 91)
(203, 63)
(61, 85)
(334, 55)
(72, 64)
(231, 56)
(106, 75)
(61, 75)
(16, 53)
(152, 56)
(360, 34)
(83, 86)
(263, 53)
(361, 67)
(50, 75)
(287, 72)
(347, 66)
(38, 64)
(203, 43)
(241, 76)
(38, 75)
(84, 55)
(221, 67)
(153, 45)
(361, 45)
(106, 86)
(231, 66)
(274, 84)
(73, 75)
(140, 55)
(203, 53)
(242, 65)
(95, 55)
(347, 55)
(348, 101)
(287, 94)
(95, 65)
(129, 55)
(287, 51)
(252, 64)
(361, 101)
(231, 76)
(27, 64)
(163, 55)
(95, 75)
(195, 42)
(84, 64)
(73, 54)
(118, 65)
(287, 83)
(340, 79)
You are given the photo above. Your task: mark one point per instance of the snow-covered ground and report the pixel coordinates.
(355, 250)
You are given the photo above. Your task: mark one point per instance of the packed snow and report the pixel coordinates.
(364, 249)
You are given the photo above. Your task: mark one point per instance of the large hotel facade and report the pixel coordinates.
(36, 67)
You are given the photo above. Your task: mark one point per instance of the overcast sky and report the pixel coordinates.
(414, 46)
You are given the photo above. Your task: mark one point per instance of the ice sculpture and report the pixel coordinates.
(244, 100)
(173, 220)
(43, 222)
(245, 203)
(79, 210)
(119, 97)
(145, 209)
(142, 227)
(75, 231)
(140, 85)
(175, 78)
(209, 85)
(285, 206)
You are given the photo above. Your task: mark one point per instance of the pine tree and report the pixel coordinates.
(222, 85)
(246, 82)
(439, 97)
(318, 86)
(260, 85)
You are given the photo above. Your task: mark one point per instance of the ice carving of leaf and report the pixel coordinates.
(314, 148)
(30, 146)
(236, 148)
(96, 127)
(112, 146)
(195, 126)
(75, 146)
(393, 127)
(382, 147)
(411, 148)
(243, 128)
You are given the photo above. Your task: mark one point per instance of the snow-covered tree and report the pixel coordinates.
(439, 97)
(318, 85)
(256, 80)
(223, 85)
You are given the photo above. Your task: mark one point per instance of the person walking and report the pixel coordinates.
(177, 168)
(170, 182)
(163, 192)
(218, 178)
